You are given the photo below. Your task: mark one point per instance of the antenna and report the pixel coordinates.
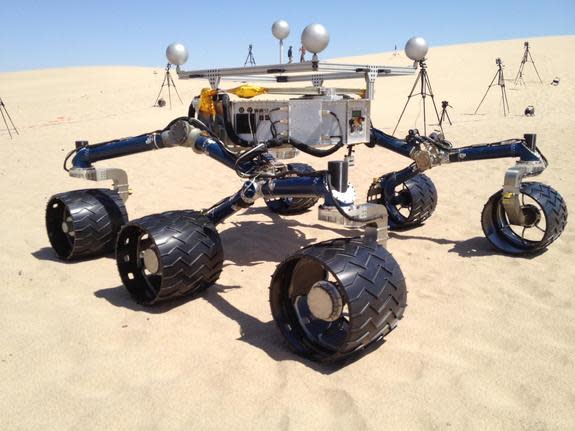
(501, 82)
(280, 30)
(3, 111)
(177, 54)
(416, 49)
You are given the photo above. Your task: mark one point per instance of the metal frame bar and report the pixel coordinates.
(308, 66)
(318, 72)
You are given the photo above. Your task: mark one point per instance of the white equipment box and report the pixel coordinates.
(313, 121)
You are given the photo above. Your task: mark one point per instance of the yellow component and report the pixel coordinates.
(206, 102)
(507, 195)
(247, 91)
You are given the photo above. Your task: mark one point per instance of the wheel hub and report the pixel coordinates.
(68, 227)
(324, 301)
(151, 262)
(403, 198)
(532, 215)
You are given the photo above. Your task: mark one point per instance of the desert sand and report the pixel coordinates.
(487, 340)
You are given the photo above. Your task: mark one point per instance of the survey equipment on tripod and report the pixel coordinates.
(527, 58)
(501, 83)
(177, 54)
(416, 49)
(280, 30)
(331, 300)
(250, 60)
(444, 114)
(6, 115)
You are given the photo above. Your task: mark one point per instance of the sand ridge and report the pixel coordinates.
(487, 342)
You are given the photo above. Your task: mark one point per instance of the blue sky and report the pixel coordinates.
(52, 33)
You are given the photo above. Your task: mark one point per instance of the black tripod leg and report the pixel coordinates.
(448, 119)
(433, 101)
(519, 76)
(407, 102)
(161, 88)
(504, 94)
(540, 80)
(505, 100)
(175, 89)
(10, 118)
(423, 94)
(4, 118)
(485, 95)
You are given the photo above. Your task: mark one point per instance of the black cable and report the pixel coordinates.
(308, 149)
(75, 150)
(255, 151)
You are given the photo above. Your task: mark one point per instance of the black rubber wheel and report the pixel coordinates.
(366, 279)
(293, 206)
(84, 223)
(168, 255)
(545, 219)
(412, 203)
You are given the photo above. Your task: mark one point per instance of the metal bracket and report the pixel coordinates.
(512, 189)
(375, 230)
(317, 80)
(118, 176)
(370, 77)
(214, 78)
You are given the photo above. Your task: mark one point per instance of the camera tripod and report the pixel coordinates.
(3, 111)
(423, 78)
(527, 58)
(444, 114)
(250, 58)
(501, 82)
(168, 82)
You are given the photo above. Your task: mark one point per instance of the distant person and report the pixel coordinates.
(290, 54)
(302, 54)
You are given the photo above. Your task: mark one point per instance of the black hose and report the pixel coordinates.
(67, 157)
(308, 149)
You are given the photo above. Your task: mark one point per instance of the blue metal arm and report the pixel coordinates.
(513, 148)
(384, 140)
(88, 154)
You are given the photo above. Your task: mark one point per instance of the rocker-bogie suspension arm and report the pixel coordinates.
(88, 154)
(525, 150)
(180, 134)
(296, 187)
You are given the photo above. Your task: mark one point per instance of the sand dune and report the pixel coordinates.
(487, 342)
